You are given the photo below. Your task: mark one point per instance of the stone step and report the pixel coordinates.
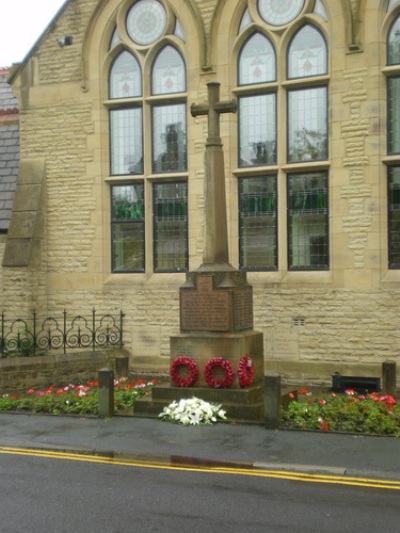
(249, 413)
(241, 405)
(249, 395)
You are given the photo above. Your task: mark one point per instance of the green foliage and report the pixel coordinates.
(370, 414)
(75, 399)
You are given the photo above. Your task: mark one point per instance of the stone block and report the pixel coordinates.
(230, 346)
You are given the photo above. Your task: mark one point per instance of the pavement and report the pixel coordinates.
(222, 444)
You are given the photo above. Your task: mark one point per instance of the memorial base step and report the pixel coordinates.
(241, 405)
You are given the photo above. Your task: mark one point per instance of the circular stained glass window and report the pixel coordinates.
(146, 21)
(279, 12)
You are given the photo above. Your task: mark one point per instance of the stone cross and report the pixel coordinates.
(216, 254)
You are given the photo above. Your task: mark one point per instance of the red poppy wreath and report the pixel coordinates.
(245, 371)
(219, 383)
(186, 378)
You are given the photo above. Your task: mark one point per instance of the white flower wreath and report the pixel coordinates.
(193, 412)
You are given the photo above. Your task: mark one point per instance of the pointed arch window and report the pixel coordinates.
(257, 61)
(307, 54)
(292, 108)
(393, 143)
(257, 112)
(125, 79)
(393, 44)
(147, 125)
(168, 76)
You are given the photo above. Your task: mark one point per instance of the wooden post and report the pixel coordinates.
(121, 366)
(389, 377)
(106, 393)
(272, 400)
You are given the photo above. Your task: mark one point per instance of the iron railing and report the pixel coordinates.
(33, 336)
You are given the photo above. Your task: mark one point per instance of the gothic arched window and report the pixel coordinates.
(393, 141)
(147, 117)
(282, 132)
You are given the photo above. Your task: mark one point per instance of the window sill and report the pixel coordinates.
(293, 278)
(171, 280)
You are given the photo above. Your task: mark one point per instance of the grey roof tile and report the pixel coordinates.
(7, 100)
(9, 152)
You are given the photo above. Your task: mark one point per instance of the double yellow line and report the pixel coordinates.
(237, 471)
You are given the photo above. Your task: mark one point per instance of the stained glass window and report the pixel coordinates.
(246, 20)
(307, 124)
(147, 136)
(393, 119)
(127, 228)
(394, 216)
(307, 54)
(168, 72)
(258, 223)
(257, 130)
(169, 138)
(257, 61)
(126, 141)
(170, 226)
(319, 10)
(125, 80)
(308, 221)
(393, 45)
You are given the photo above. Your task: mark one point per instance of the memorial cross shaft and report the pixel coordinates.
(216, 251)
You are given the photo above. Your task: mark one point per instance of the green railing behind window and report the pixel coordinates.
(254, 204)
(395, 197)
(174, 208)
(308, 201)
(128, 211)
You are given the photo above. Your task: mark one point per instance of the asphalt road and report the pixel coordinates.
(65, 493)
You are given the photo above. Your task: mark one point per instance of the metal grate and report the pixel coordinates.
(298, 322)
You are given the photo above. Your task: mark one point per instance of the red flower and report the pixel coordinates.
(322, 424)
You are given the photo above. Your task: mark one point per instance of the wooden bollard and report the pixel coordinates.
(389, 377)
(272, 400)
(121, 366)
(106, 393)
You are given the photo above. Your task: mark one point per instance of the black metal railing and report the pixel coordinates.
(32, 336)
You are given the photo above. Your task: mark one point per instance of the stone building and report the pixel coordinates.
(108, 210)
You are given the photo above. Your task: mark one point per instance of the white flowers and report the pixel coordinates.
(192, 411)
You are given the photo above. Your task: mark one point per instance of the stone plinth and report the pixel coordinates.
(231, 346)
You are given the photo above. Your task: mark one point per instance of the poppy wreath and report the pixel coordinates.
(192, 371)
(245, 371)
(219, 383)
